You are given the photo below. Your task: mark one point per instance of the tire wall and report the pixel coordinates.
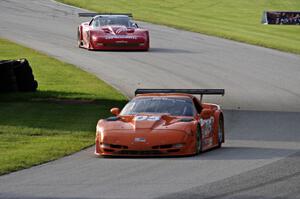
(16, 75)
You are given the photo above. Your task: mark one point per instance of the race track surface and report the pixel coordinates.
(260, 158)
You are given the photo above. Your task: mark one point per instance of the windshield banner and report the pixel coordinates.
(281, 17)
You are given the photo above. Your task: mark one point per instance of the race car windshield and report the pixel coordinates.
(172, 106)
(105, 21)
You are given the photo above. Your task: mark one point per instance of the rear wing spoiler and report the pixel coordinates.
(200, 92)
(92, 14)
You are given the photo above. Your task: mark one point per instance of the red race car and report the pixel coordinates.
(162, 122)
(112, 32)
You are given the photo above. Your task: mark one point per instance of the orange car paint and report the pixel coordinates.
(168, 136)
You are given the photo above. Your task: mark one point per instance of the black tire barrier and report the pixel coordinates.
(16, 75)
(28, 86)
(7, 78)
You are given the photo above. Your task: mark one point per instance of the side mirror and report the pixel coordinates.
(115, 111)
(135, 25)
(206, 113)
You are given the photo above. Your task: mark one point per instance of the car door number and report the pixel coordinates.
(207, 126)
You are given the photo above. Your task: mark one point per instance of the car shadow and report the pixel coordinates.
(224, 153)
(168, 50)
(243, 153)
(262, 125)
(151, 50)
(67, 113)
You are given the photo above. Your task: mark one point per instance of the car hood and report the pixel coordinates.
(143, 122)
(117, 30)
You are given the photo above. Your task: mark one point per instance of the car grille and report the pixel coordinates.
(134, 152)
(115, 146)
(121, 44)
(166, 146)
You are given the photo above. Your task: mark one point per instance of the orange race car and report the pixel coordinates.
(162, 122)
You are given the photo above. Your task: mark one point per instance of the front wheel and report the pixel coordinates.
(198, 141)
(79, 42)
(220, 133)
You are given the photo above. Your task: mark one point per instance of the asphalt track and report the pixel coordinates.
(260, 158)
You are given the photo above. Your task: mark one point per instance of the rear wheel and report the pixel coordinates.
(198, 141)
(220, 133)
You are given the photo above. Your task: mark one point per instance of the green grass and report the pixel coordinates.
(232, 19)
(58, 119)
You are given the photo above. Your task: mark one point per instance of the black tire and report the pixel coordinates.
(22, 69)
(35, 85)
(7, 78)
(24, 76)
(5, 69)
(220, 133)
(198, 147)
(28, 86)
(79, 41)
(22, 79)
(90, 46)
(16, 75)
(8, 87)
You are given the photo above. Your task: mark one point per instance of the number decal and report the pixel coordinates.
(140, 118)
(153, 118)
(148, 118)
(207, 127)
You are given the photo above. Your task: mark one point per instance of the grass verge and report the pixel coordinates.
(58, 119)
(232, 19)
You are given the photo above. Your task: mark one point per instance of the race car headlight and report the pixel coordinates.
(94, 38)
(105, 145)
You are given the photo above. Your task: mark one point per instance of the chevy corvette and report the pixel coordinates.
(162, 122)
(107, 31)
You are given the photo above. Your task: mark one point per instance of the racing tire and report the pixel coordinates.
(198, 141)
(22, 68)
(12, 87)
(16, 75)
(145, 50)
(220, 133)
(79, 41)
(89, 45)
(7, 77)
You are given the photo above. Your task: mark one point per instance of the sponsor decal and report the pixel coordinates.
(207, 126)
(139, 140)
(208, 142)
(120, 37)
(281, 17)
